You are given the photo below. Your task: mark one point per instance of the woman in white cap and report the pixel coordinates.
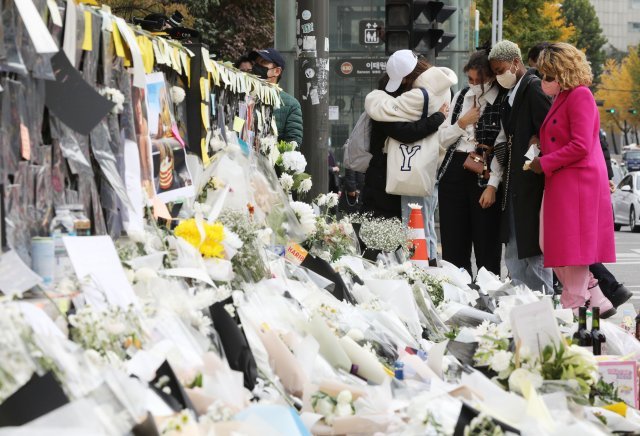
(403, 68)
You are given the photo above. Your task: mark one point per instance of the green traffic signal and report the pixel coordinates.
(611, 111)
(633, 111)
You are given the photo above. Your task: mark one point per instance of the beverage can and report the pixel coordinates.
(43, 259)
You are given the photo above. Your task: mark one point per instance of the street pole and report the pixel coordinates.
(476, 29)
(615, 143)
(313, 88)
(494, 23)
(500, 17)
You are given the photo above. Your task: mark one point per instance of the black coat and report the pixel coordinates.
(375, 198)
(607, 154)
(524, 188)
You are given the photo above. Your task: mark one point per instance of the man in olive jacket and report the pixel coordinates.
(522, 113)
(269, 65)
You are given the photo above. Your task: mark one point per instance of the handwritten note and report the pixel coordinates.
(535, 326)
(96, 256)
(238, 124)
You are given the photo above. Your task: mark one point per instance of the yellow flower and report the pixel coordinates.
(211, 246)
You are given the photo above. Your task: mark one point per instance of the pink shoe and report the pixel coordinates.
(598, 299)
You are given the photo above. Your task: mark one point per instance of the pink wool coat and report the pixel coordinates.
(577, 212)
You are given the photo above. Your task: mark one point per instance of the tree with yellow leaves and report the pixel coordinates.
(619, 89)
(566, 31)
(528, 22)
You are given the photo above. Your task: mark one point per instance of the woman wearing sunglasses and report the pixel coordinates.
(577, 220)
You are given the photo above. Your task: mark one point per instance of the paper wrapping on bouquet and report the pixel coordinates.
(274, 420)
(418, 237)
(147, 427)
(177, 399)
(284, 363)
(323, 268)
(329, 345)
(39, 396)
(366, 365)
(619, 341)
(235, 344)
(467, 414)
(463, 351)
(399, 296)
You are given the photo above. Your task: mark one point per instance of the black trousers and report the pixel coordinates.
(606, 280)
(463, 223)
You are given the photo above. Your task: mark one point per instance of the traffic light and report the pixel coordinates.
(414, 25)
(633, 111)
(610, 111)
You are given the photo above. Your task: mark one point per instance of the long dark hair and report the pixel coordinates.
(479, 61)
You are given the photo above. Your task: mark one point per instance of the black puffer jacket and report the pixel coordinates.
(375, 198)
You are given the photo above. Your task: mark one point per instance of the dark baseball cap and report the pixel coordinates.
(270, 54)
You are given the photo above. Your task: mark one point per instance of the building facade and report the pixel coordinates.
(620, 21)
(357, 55)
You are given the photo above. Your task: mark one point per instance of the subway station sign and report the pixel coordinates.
(360, 67)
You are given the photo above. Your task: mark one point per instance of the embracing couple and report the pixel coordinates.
(468, 123)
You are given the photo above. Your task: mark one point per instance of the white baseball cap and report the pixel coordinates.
(399, 66)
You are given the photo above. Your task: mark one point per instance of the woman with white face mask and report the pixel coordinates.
(469, 216)
(577, 221)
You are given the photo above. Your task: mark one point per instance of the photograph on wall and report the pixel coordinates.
(171, 177)
(142, 138)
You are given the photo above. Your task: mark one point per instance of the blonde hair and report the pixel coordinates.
(505, 51)
(567, 64)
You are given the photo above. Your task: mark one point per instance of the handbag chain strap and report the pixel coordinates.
(508, 170)
(447, 159)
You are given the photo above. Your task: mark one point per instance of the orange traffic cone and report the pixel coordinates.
(418, 237)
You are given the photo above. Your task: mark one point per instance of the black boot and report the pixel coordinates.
(619, 295)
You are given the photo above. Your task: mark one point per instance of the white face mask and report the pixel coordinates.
(507, 79)
(478, 89)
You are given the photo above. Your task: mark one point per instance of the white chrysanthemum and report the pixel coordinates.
(144, 275)
(304, 213)
(500, 361)
(324, 407)
(332, 200)
(177, 94)
(294, 161)
(286, 181)
(519, 378)
(343, 409)
(273, 155)
(321, 200)
(414, 206)
(344, 397)
(268, 143)
(305, 185)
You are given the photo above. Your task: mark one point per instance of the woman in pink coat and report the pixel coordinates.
(577, 219)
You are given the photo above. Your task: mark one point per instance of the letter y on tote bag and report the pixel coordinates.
(411, 168)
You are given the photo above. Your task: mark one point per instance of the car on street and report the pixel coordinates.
(631, 159)
(618, 171)
(626, 203)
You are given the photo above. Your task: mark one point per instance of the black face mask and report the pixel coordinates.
(260, 71)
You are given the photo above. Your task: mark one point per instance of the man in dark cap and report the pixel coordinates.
(269, 65)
